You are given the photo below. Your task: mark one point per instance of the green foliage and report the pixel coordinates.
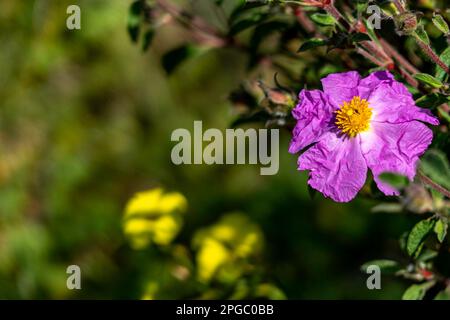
(429, 80)
(418, 235)
(441, 24)
(441, 229)
(417, 291)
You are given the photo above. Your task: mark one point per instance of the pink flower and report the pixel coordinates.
(355, 124)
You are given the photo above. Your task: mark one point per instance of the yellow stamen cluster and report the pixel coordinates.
(354, 116)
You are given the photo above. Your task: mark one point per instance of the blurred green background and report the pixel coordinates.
(85, 123)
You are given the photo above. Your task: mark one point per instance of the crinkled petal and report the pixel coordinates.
(341, 87)
(393, 103)
(394, 148)
(313, 115)
(372, 81)
(337, 167)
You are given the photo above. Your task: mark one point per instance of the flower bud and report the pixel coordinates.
(405, 23)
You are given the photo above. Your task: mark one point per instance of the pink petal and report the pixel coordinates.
(372, 81)
(341, 87)
(337, 166)
(393, 103)
(313, 115)
(394, 148)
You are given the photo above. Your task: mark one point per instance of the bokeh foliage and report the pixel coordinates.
(85, 123)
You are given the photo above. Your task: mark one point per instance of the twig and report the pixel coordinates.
(432, 55)
(397, 56)
(433, 184)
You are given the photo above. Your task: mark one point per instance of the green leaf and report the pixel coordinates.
(418, 235)
(323, 19)
(359, 37)
(443, 295)
(395, 180)
(134, 20)
(432, 100)
(440, 228)
(429, 80)
(440, 23)
(385, 265)
(421, 34)
(427, 255)
(434, 164)
(445, 57)
(417, 291)
(172, 59)
(312, 43)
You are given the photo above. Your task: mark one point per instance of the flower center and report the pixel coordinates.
(354, 116)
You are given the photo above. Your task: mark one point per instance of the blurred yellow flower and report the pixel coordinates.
(153, 216)
(224, 245)
(210, 257)
(154, 202)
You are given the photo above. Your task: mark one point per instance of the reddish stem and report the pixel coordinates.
(433, 56)
(433, 184)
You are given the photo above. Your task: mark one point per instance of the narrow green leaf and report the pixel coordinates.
(421, 34)
(323, 19)
(440, 229)
(417, 291)
(429, 80)
(441, 24)
(312, 43)
(385, 265)
(418, 235)
(427, 255)
(432, 100)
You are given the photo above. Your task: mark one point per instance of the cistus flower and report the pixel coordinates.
(358, 123)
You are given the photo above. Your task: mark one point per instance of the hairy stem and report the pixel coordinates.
(432, 55)
(433, 184)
